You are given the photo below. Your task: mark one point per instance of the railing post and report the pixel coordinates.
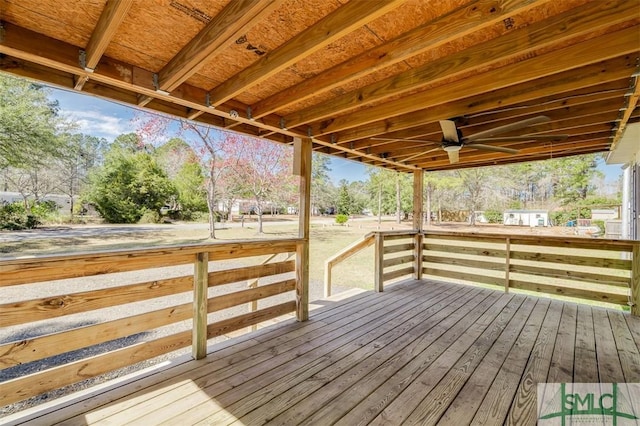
(200, 287)
(379, 258)
(417, 256)
(507, 265)
(327, 278)
(302, 281)
(635, 280)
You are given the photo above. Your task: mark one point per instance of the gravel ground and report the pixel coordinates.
(61, 287)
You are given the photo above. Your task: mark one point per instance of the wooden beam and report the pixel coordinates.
(378, 262)
(631, 103)
(564, 82)
(516, 44)
(25, 45)
(469, 18)
(332, 27)
(418, 204)
(635, 280)
(200, 286)
(578, 55)
(110, 19)
(238, 17)
(304, 214)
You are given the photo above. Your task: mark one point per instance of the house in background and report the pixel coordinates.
(530, 218)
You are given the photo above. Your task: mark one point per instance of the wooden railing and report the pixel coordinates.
(343, 255)
(141, 308)
(591, 269)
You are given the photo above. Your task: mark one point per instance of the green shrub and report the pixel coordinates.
(341, 218)
(150, 216)
(599, 224)
(493, 216)
(15, 216)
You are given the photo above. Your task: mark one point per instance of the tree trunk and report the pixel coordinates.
(259, 211)
(211, 202)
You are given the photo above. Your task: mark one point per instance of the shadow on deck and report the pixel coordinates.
(422, 352)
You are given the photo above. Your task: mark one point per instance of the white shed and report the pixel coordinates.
(530, 218)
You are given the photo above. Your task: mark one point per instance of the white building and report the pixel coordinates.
(627, 153)
(531, 218)
(604, 214)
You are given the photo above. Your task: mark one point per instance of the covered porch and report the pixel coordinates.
(421, 352)
(409, 86)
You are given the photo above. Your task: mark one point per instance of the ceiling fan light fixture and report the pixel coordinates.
(452, 148)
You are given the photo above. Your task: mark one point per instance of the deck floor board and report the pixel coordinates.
(422, 352)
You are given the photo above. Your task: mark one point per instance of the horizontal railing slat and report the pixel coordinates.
(28, 350)
(228, 325)
(397, 273)
(477, 251)
(397, 248)
(484, 279)
(229, 276)
(597, 262)
(472, 263)
(49, 268)
(57, 377)
(245, 296)
(536, 240)
(74, 303)
(590, 294)
(562, 273)
(393, 261)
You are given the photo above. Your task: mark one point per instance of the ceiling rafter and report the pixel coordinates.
(578, 55)
(519, 43)
(474, 16)
(222, 31)
(110, 19)
(336, 25)
(602, 72)
(563, 100)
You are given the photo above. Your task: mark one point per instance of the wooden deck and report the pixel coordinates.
(419, 353)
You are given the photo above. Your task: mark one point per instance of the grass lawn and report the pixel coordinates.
(325, 241)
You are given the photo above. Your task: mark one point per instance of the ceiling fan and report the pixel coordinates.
(453, 140)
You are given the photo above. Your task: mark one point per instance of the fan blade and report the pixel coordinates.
(492, 148)
(508, 128)
(404, 140)
(453, 156)
(420, 154)
(524, 138)
(449, 130)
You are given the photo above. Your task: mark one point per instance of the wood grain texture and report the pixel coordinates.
(421, 352)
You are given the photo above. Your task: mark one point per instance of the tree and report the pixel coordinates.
(322, 189)
(260, 169)
(182, 166)
(128, 185)
(574, 177)
(29, 124)
(473, 182)
(344, 199)
(74, 165)
(206, 142)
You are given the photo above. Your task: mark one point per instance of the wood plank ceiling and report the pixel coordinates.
(350, 73)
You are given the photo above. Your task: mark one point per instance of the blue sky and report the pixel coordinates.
(98, 117)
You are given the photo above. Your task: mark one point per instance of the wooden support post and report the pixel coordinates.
(507, 265)
(379, 258)
(302, 167)
(200, 287)
(418, 201)
(635, 280)
(327, 278)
